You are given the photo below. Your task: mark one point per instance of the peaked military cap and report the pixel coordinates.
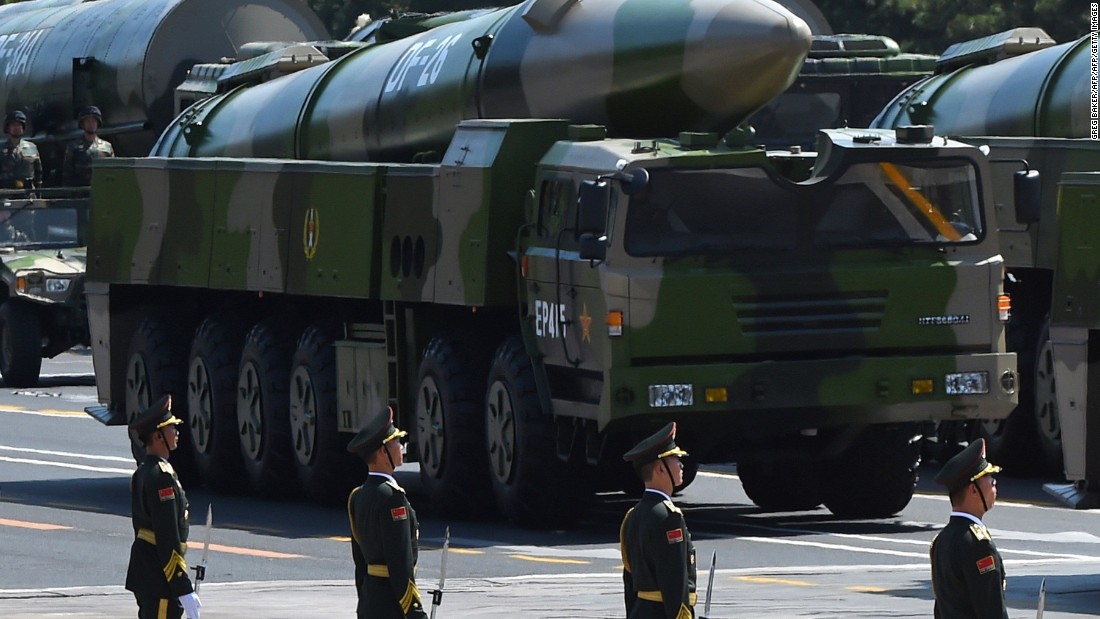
(968, 465)
(655, 447)
(378, 431)
(155, 417)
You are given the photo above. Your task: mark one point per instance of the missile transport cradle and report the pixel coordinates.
(1051, 262)
(536, 233)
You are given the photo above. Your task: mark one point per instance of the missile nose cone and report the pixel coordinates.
(745, 54)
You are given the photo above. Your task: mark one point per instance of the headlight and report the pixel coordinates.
(56, 285)
(664, 396)
(966, 383)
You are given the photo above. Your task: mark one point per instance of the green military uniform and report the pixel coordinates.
(77, 168)
(658, 557)
(20, 166)
(384, 536)
(968, 575)
(157, 574)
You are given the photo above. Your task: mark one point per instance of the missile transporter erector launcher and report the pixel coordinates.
(546, 292)
(1041, 130)
(126, 57)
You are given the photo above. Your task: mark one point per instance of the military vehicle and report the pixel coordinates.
(126, 57)
(1045, 128)
(845, 82)
(511, 243)
(42, 311)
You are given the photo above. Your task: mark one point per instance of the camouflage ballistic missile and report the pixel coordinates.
(125, 56)
(640, 67)
(1041, 93)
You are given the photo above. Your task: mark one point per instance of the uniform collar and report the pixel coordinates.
(389, 477)
(976, 519)
(667, 498)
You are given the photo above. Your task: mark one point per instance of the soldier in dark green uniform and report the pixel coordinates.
(77, 168)
(658, 557)
(384, 530)
(968, 576)
(158, 574)
(20, 166)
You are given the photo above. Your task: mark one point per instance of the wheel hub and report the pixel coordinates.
(303, 415)
(501, 432)
(429, 427)
(249, 411)
(200, 404)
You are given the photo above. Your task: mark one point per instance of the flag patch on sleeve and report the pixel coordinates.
(675, 536)
(166, 494)
(986, 565)
(399, 513)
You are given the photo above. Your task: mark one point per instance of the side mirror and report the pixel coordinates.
(593, 247)
(1027, 188)
(634, 181)
(592, 207)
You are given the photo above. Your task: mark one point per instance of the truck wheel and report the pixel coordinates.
(532, 486)
(450, 431)
(211, 403)
(1048, 428)
(779, 484)
(157, 365)
(876, 476)
(263, 418)
(326, 471)
(20, 345)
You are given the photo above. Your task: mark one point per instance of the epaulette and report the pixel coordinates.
(394, 485)
(672, 508)
(165, 467)
(980, 532)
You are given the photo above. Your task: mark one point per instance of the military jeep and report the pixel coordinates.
(42, 250)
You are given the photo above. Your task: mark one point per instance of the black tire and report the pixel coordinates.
(263, 418)
(532, 486)
(20, 344)
(876, 476)
(212, 403)
(781, 484)
(325, 469)
(156, 364)
(450, 427)
(1044, 405)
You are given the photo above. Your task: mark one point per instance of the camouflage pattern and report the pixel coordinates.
(42, 279)
(1051, 271)
(77, 167)
(20, 165)
(441, 236)
(127, 56)
(683, 59)
(1049, 96)
(845, 82)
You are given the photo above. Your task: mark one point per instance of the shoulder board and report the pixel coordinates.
(393, 484)
(166, 468)
(672, 508)
(980, 532)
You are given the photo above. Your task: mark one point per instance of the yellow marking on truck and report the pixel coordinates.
(926, 208)
(549, 560)
(765, 580)
(37, 526)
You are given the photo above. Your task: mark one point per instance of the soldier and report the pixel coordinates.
(157, 573)
(20, 166)
(968, 576)
(658, 557)
(77, 168)
(384, 531)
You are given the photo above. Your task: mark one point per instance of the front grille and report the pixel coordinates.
(818, 314)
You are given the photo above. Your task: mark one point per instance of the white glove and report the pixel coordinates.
(191, 605)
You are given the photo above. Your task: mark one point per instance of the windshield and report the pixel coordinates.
(27, 226)
(686, 211)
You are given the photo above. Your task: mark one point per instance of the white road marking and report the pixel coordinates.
(67, 465)
(66, 454)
